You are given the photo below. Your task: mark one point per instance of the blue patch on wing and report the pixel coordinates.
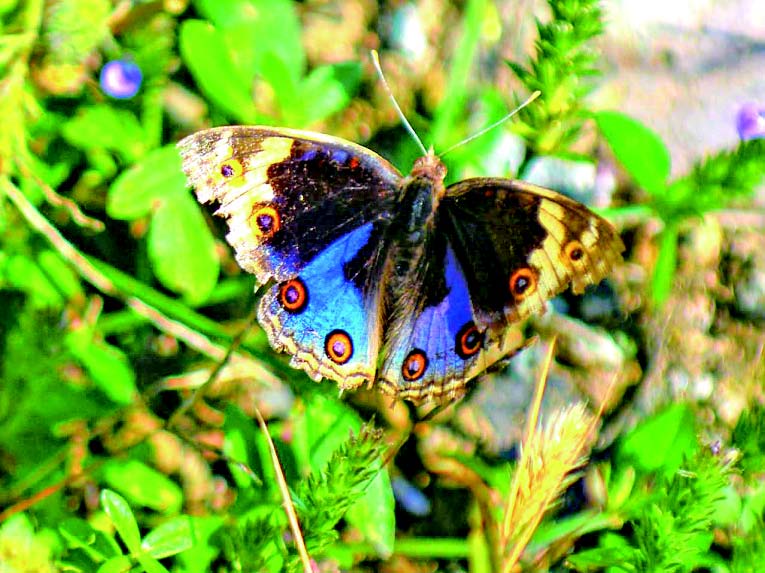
(434, 332)
(334, 303)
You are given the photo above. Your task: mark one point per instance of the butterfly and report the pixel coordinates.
(384, 279)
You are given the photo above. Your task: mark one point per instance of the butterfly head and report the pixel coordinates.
(429, 167)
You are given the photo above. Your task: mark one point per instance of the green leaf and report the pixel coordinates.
(225, 13)
(323, 93)
(120, 564)
(104, 127)
(23, 273)
(169, 538)
(198, 557)
(287, 44)
(182, 249)
(107, 365)
(212, 63)
(662, 442)
(123, 519)
(137, 191)
(143, 485)
(60, 273)
(666, 263)
(639, 149)
(98, 546)
(326, 426)
(374, 514)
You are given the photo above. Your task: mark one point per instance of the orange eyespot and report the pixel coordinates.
(415, 364)
(293, 295)
(231, 168)
(338, 346)
(266, 222)
(468, 341)
(523, 282)
(574, 251)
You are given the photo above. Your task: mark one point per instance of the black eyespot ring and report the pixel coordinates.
(293, 295)
(523, 283)
(415, 365)
(574, 251)
(338, 346)
(469, 340)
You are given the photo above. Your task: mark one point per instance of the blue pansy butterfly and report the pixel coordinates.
(389, 280)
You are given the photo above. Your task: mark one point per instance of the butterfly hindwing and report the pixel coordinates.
(323, 318)
(520, 245)
(303, 210)
(440, 349)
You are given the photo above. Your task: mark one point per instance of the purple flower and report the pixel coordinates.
(750, 121)
(121, 79)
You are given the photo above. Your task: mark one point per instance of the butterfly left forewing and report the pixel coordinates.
(286, 194)
(306, 211)
(521, 245)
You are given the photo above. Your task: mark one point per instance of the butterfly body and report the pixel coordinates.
(390, 280)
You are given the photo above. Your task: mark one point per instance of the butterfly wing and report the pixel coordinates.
(439, 349)
(304, 210)
(521, 244)
(501, 248)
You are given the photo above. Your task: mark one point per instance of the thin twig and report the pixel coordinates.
(289, 508)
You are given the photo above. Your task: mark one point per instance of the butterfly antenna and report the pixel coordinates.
(530, 99)
(407, 125)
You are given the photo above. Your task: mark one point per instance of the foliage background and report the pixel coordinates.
(120, 298)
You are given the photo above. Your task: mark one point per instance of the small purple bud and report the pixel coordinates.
(121, 79)
(750, 121)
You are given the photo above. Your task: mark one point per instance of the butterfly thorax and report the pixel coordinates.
(411, 229)
(419, 196)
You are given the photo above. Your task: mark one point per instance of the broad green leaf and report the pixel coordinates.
(182, 249)
(119, 564)
(137, 191)
(640, 150)
(666, 263)
(374, 514)
(235, 448)
(60, 273)
(225, 13)
(105, 127)
(78, 533)
(149, 564)
(169, 538)
(326, 425)
(24, 274)
(123, 519)
(325, 92)
(107, 365)
(212, 63)
(660, 443)
(198, 557)
(287, 44)
(286, 88)
(143, 485)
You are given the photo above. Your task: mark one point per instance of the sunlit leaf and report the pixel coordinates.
(212, 63)
(640, 150)
(182, 249)
(137, 191)
(143, 485)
